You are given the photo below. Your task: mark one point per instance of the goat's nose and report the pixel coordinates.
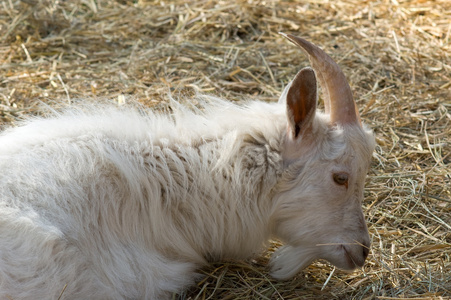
(366, 248)
(366, 251)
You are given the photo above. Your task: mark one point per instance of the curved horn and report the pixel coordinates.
(338, 100)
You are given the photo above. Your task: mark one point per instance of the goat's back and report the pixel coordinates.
(101, 191)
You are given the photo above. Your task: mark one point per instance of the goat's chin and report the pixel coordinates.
(287, 261)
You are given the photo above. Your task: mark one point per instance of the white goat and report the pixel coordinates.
(117, 204)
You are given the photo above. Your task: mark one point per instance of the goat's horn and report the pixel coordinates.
(338, 100)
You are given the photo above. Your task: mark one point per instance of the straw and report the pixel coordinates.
(395, 54)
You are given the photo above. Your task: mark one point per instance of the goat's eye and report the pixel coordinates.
(341, 179)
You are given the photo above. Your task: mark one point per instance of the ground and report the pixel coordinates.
(395, 54)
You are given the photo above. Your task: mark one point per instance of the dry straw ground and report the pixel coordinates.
(395, 53)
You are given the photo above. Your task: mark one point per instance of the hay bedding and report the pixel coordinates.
(396, 55)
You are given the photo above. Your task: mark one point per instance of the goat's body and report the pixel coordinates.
(132, 203)
(117, 204)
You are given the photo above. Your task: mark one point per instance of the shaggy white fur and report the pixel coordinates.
(120, 203)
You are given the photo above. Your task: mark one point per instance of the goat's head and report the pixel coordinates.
(317, 209)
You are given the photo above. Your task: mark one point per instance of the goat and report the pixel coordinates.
(114, 203)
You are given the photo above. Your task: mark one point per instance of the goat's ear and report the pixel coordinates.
(301, 101)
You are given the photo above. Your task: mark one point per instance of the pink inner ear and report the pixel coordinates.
(301, 100)
(299, 108)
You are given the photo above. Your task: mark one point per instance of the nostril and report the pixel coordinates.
(366, 251)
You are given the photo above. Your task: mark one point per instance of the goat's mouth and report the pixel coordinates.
(354, 258)
(289, 259)
(345, 256)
